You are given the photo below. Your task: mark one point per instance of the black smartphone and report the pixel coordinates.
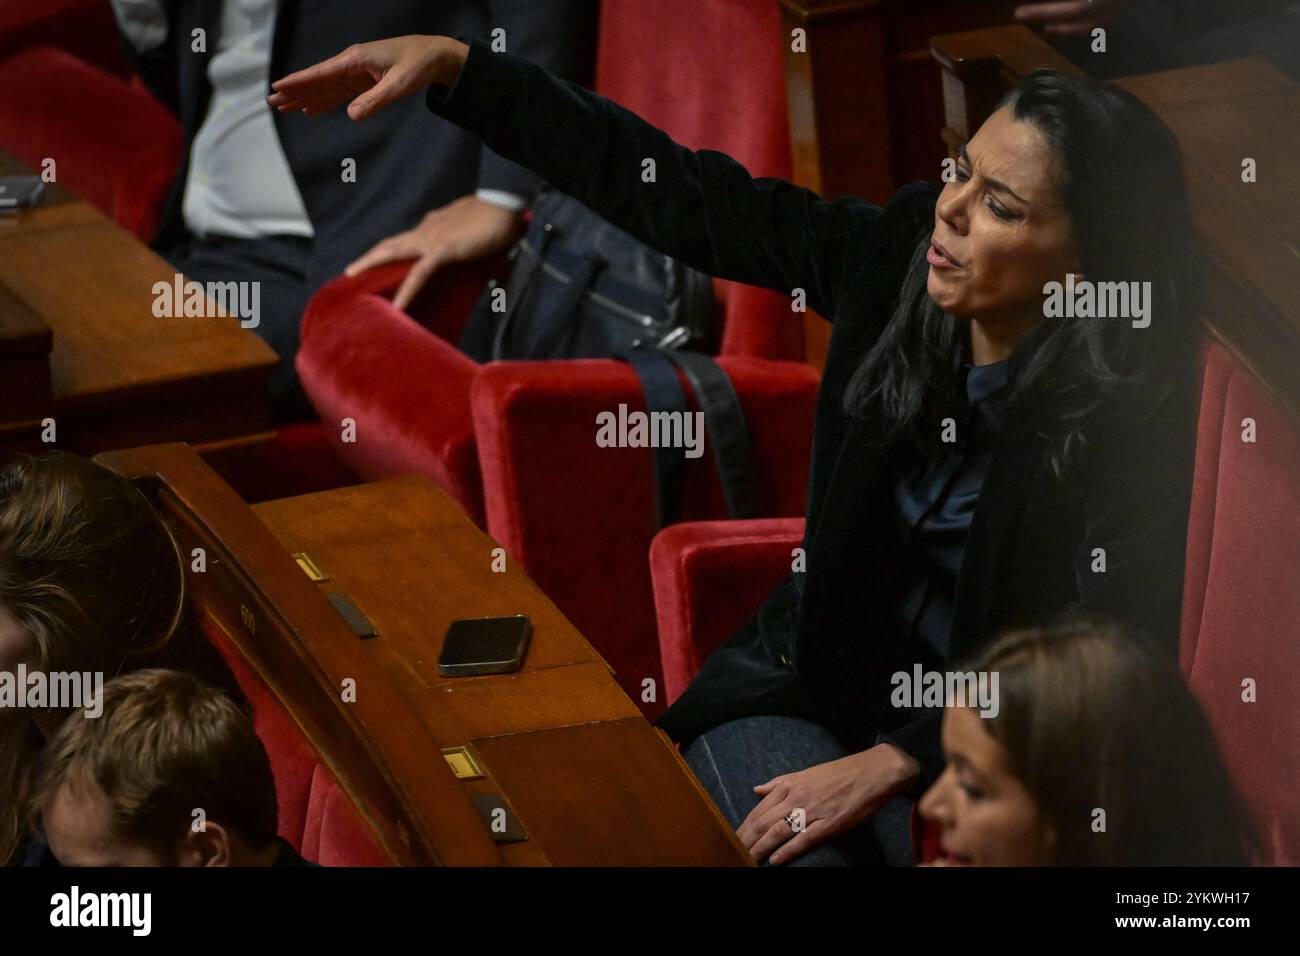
(484, 645)
(18, 192)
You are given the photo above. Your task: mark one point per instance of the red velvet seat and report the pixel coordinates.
(84, 28)
(709, 578)
(406, 390)
(657, 60)
(316, 817)
(579, 518)
(114, 145)
(1240, 603)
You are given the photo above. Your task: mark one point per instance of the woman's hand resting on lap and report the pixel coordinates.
(369, 76)
(835, 798)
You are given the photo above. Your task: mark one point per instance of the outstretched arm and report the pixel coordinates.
(701, 207)
(559, 35)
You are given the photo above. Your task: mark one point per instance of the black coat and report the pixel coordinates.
(405, 167)
(819, 647)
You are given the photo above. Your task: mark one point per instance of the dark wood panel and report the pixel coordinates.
(607, 794)
(25, 342)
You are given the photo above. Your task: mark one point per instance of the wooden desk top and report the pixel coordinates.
(1222, 114)
(114, 375)
(98, 302)
(590, 779)
(560, 745)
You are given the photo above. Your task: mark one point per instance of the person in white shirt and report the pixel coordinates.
(290, 204)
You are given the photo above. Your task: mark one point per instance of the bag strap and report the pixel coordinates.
(724, 421)
(697, 312)
(727, 429)
(533, 267)
(663, 393)
(563, 313)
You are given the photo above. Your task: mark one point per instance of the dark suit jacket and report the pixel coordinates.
(288, 856)
(820, 647)
(404, 167)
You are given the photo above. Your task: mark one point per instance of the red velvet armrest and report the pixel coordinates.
(447, 297)
(710, 578)
(113, 144)
(406, 390)
(83, 27)
(580, 518)
(1240, 602)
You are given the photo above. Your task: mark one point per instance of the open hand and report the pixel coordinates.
(369, 76)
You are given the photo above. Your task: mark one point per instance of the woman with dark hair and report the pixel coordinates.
(91, 580)
(1097, 755)
(976, 463)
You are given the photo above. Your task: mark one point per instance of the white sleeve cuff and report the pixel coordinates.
(499, 197)
(142, 22)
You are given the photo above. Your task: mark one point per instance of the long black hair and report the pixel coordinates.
(1119, 175)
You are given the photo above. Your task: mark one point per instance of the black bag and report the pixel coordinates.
(580, 287)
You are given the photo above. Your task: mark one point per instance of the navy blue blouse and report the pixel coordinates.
(934, 504)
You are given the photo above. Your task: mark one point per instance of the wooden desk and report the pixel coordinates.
(79, 342)
(569, 754)
(1249, 232)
